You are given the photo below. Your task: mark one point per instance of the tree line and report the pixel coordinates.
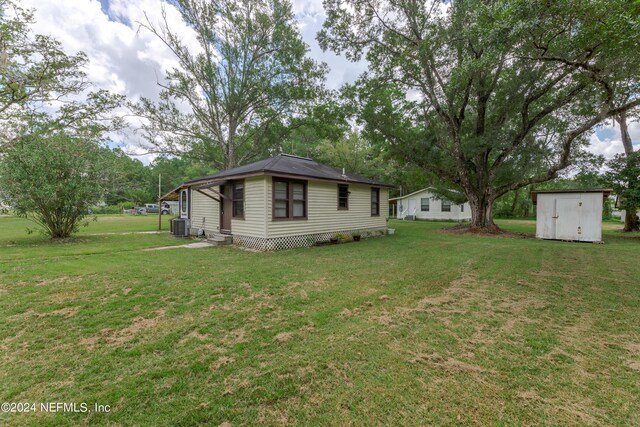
(483, 99)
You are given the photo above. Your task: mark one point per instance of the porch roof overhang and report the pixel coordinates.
(174, 194)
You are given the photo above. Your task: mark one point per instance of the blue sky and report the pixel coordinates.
(127, 61)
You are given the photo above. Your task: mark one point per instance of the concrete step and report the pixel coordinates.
(220, 239)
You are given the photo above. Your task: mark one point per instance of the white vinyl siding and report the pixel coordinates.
(205, 210)
(322, 215)
(253, 223)
(435, 212)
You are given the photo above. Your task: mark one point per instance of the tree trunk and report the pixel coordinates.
(630, 219)
(482, 214)
(631, 222)
(514, 205)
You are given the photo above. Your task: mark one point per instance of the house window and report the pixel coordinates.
(446, 206)
(424, 204)
(343, 197)
(184, 212)
(375, 201)
(238, 199)
(289, 199)
(462, 207)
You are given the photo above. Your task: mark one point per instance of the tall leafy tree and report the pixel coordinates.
(130, 181)
(624, 177)
(34, 71)
(489, 96)
(248, 77)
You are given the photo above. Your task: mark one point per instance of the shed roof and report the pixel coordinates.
(605, 192)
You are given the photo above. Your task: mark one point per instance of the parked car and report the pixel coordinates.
(152, 208)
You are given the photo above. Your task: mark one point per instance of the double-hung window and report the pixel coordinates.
(343, 197)
(289, 199)
(238, 199)
(424, 204)
(375, 202)
(446, 206)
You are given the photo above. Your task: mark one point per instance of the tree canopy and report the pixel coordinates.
(488, 96)
(233, 96)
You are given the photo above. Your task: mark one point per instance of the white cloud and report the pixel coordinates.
(607, 140)
(129, 61)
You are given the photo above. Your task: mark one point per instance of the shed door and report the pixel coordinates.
(567, 218)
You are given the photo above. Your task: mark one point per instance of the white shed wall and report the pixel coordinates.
(569, 216)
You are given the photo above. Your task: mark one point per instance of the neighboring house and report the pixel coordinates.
(282, 202)
(425, 204)
(570, 214)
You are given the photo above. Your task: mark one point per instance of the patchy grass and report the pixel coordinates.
(422, 325)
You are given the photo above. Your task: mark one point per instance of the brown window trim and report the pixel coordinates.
(347, 188)
(233, 208)
(290, 216)
(376, 190)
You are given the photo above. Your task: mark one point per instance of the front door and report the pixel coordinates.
(225, 209)
(568, 219)
(412, 207)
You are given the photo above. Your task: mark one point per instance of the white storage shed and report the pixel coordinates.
(574, 215)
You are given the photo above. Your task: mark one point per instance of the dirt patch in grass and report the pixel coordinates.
(222, 361)
(118, 337)
(283, 337)
(449, 364)
(633, 364)
(346, 313)
(193, 335)
(492, 232)
(65, 312)
(234, 337)
(58, 280)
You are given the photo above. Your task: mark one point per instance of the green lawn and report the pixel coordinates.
(421, 327)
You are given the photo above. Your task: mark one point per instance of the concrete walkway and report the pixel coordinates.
(196, 245)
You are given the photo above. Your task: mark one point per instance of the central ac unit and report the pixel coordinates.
(180, 227)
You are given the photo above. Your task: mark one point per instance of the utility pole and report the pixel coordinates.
(159, 202)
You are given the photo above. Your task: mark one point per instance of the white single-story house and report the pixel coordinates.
(570, 214)
(425, 204)
(284, 201)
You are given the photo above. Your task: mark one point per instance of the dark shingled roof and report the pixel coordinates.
(287, 164)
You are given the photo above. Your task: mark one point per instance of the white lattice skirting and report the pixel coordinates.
(305, 240)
